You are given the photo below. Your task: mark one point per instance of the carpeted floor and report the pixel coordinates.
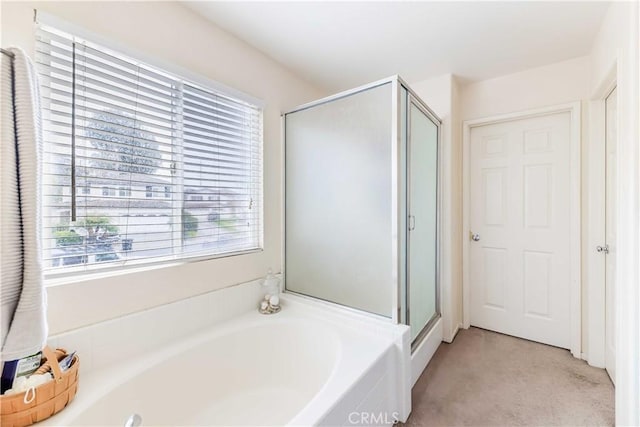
(488, 379)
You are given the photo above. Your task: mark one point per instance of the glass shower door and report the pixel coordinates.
(338, 205)
(422, 219)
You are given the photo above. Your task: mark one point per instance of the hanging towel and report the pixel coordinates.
(23, 300)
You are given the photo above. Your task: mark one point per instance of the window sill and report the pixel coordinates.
(59, 278)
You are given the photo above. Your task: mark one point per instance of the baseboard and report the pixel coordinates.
(424, 352)
(454, 333)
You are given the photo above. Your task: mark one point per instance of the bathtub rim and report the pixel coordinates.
(97, 384)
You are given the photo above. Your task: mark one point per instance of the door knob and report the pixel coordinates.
(604, 249)
(474, 236)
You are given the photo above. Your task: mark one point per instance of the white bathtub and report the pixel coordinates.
(310, 364)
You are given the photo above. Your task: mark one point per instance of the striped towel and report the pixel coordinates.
(22, 299)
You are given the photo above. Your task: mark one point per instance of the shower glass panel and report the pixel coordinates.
(422, 186)
(361, 203)
(340, 223)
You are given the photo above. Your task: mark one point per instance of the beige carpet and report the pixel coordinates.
(488, 379)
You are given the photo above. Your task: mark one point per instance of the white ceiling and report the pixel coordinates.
(338, 45)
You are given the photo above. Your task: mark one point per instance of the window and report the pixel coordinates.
(157, 138)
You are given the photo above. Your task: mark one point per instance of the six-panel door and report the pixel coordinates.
(519, 209)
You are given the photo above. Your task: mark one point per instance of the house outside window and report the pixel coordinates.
(139, 130)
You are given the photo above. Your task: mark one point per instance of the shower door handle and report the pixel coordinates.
(412, 222)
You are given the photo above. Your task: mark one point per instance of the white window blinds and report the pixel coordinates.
(141, 165)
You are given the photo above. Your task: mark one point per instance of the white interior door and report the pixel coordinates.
(519, 215)
(610, 231)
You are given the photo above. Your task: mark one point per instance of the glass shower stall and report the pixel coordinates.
(362, 203)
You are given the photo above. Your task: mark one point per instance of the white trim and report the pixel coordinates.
(595, 262)
(576, 307)
(628, 234)
(466, 196)
(84, 272)
(576, 231)
(607, 84)
(594, 283)
(454, 333)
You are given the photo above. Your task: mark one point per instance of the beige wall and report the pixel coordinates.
(610, 42)
(553, 84)
(172, 34)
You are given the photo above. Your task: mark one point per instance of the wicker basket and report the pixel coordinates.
(50, 397)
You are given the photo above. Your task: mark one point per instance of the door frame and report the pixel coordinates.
(595, 283)
(574, 109)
